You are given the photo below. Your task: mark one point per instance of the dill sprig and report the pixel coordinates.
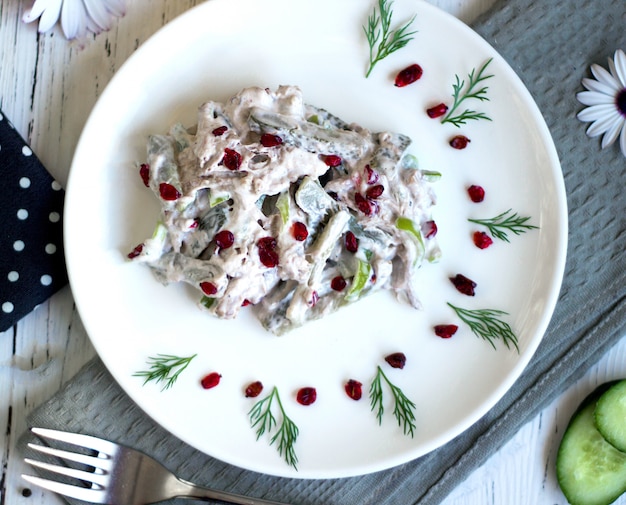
(403, 407)
(164, 368)
(262, 418)
(378, 31)
(458, 119)
(485, 323)
(507, 220)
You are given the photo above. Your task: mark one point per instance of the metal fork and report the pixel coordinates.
(117, 475)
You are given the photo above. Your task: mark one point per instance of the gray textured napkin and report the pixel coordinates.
(551, 45)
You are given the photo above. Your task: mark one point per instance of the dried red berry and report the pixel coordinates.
(463, 284)
(208, 288)
(338, 283)
(365, 205)
(408, 76)
(299, 231)
(232, 159)
(332, 160)
(194, 224)
(459, 142)
(135, 252)
(396, 360)
(254, 389)
(270, 140)
(354, 389)
(245, 302)
(219, 131)
(306, 396)
(267, 251)
(429, 229)
(352, 243)
(437, 111)
(371, 176)
(314, 299)
(211, 380)
(168, 192)
(375, 191)
(481, 240)
(446, 330)
(224, 239)
(144, 173)
(476, 193)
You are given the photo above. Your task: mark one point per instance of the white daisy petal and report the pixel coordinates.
(593, 98)
(116, 7)
(600, 126)
(74, 19)
(597, 112)
(593, 85)
(605, 77)
(99, 13)
(46, 10)
(612, 132)
(619, 66)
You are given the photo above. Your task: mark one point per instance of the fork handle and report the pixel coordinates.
(203, 493)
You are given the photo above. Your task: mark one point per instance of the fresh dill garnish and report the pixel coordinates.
(403, 407)
(507, 220)
(164, 368)
(262, 418)
(460, 118)
(381, 39)
(485, 323)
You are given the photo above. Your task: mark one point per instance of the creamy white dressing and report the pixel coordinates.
(271, 189)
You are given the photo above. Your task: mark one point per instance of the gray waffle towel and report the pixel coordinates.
(550, 44)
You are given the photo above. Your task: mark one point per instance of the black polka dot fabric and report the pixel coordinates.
(32, 265)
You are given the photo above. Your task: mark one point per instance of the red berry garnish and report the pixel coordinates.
(463, 284)
(144, 173)
(338, 283)
(437, 111)
(371, 176)
(219, 131)
(254, 389)
(232, 159)
(306, 396)
(481, 239)
(445, 330)
(224, 239)
(135, 252)
(314, 299)
(354, 389)
(459, 142)
(375, 191)
(332, 160)
(168, 192)
(208, 288)
(270, 140)
(476, 193)
(365, 205)
(267, 251)
(408, 76)
(299, 231)
(352, 243)
(211, 380)
(396, 360)
(245, 302)
(429, 229)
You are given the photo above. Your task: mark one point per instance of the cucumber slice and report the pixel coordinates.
(610, 415)
(590, 471)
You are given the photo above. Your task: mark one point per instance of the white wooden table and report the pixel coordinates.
(47, 88)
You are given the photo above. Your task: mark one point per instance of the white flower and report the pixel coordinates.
(77, 16)
(606, 101)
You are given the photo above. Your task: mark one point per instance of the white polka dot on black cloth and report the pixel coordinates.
(32, 264)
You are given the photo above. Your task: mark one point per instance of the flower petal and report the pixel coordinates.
(47, 11)
(612, 132)
(99, 14)
(600, 126)
(593, 85)
(598, 112)
(622, 139)
(116, 7)
(593, 98)
(604, 76)
(618, 67)
(74, 19)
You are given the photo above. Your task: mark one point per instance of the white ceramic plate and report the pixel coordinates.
(210, 53)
